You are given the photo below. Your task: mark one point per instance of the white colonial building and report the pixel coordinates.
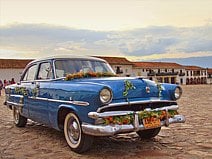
(196, 75)
(164, 72)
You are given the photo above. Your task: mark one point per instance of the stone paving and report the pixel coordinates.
(192, 139)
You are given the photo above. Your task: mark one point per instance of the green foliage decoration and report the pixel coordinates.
(128, 86)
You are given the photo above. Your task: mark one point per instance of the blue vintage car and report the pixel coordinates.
(83, 97)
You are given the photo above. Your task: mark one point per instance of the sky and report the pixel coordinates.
(136, 29)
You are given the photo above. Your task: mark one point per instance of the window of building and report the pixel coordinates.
(119, 70)
(191, 73)
(165, 70)
(172, 70)
(166, 80)
(187, 73)
(158, 70)
(181, 81)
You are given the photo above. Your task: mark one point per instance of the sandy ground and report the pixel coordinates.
(192, 139)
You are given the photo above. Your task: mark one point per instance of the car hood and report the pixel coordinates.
(139, 87)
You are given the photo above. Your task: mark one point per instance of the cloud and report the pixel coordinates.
(42, 39)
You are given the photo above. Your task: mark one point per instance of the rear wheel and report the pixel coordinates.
(19, 120)
(76, 139)
(149, 133)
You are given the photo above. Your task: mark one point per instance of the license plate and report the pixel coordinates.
(151, 123)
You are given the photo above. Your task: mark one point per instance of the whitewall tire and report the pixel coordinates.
(76, 139)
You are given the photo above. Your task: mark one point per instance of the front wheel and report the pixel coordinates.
(19, 120)
(149, 133)
(76, 139)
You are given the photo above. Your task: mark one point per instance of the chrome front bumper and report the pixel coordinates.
(110, 130)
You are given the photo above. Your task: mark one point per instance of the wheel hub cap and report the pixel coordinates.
(74, 131)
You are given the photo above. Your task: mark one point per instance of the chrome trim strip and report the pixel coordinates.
(110, 130)
(16, 95)
(134, 102)
(44, 80)
(38, 98)
(80, 103)
(13, 103)
(95, 115)
(171, 107)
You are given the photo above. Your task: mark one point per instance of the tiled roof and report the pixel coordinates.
(160, 65)
(115, 60)
(209, 71)
(193, 68)
(13, 63)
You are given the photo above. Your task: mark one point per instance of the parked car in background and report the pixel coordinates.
(83, 97)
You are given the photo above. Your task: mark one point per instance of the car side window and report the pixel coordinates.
(45, 71)
(30, 73)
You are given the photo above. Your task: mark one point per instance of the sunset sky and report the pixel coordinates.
(136, 29)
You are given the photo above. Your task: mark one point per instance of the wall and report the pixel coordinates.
(8, 74)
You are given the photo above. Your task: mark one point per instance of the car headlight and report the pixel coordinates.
(105, 95)
(177, 92)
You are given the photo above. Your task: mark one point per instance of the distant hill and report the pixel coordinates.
(205, 62)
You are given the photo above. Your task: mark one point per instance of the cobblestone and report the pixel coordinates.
(192, 139)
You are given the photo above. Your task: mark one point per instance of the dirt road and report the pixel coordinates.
(192, 139)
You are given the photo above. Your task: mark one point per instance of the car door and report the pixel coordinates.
(39, 109)
(27, 83)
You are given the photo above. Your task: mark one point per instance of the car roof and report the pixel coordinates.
(57, 57)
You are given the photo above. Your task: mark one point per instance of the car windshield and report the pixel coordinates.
(71, 66)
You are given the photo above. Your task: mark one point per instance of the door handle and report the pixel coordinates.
(37, 85)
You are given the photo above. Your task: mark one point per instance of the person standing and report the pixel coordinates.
(5, 83)
(1, 86)
(12, 81)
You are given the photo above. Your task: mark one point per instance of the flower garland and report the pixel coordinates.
(79, 75)
(149, 115)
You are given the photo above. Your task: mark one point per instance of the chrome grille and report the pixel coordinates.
(136, 107)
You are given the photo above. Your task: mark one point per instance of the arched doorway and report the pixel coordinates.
(191, 81)
(187, 81)
(198, 80)
(195, 80)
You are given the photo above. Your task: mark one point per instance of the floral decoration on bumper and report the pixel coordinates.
(88, 75)
(149, 115)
